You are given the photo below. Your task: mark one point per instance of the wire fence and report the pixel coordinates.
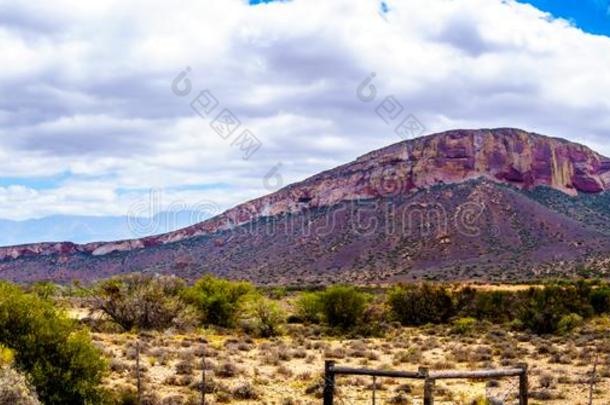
(375, 395)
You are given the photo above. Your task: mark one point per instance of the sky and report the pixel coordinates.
(210, 103)
(592, 16)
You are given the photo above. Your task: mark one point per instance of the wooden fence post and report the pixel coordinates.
(374, 390)
(593, 378)
(329, 382)
(138, 377)
(428, 386)
(523, 384)
(203, 387)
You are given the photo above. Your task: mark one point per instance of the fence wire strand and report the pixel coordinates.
(349, 391)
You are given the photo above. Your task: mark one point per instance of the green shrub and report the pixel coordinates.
(264, 317)
(277, 293)
(309, 307)
(600, 300)
(126, 396)
(342, 306)
(516, 325)
(7, 356)
(374, 320)
(45, 290)
(545, 307)
(60, 360)
(464, 326)
(140, 301)
(538, 309)
(493, 306)
(217, 300)
(568, 322)
(416, 305)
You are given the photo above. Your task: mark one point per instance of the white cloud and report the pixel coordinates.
(85, 89)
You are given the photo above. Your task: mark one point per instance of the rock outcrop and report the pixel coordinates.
(524, 160)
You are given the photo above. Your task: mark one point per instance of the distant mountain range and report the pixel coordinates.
(489, 204)
(85, 229)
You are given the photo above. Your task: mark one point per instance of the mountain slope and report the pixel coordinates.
(592, 210)
(460, 204)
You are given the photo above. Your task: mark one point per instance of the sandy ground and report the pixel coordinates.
(288, 370)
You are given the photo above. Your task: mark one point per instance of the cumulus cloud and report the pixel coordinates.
(85, 90)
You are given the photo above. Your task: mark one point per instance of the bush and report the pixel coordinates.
(60, 360)
(218, 301)
(45, 290)
(7, 356)
(374, 320)
(308, 307)
(464, 326)
(342, 306)
(277, 293)
(125, 396)
(264, 317)
(568, 322)
(493, 306)
(545, 307)
(140, 301)
(416, 305)
(245, 391)
(600, 300)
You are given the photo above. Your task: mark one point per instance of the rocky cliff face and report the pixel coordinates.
(511, 156)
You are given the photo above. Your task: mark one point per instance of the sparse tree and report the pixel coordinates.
(264, 316)
(217, 300)
(343, 306)
(138, 300)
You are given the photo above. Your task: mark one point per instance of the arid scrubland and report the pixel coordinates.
(287, 370)
(268, 346)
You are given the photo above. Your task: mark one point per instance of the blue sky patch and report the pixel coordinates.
(36, 183)
(190, 187)
(592, 16)
(255, 2)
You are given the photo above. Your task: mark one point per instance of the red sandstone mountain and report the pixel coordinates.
(460, 204)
